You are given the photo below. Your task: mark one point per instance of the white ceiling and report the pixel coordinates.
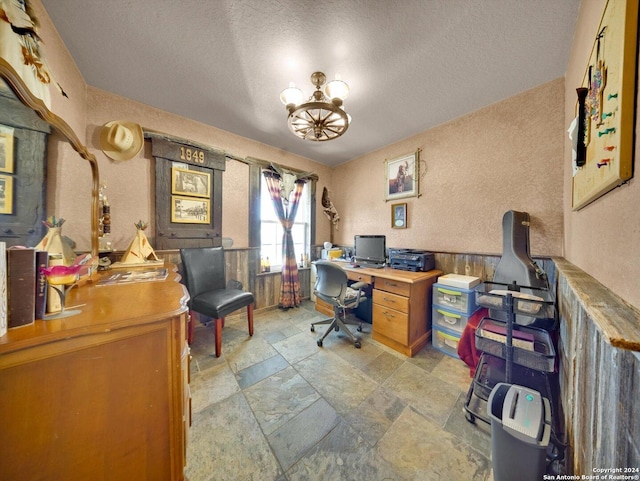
(411, 64)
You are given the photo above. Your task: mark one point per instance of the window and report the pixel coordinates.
(271, 230)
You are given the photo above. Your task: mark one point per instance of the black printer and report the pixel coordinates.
(411, 260)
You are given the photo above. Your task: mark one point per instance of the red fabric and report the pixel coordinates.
(467, 345)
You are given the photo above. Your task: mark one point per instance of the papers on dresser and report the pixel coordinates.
(128, 277)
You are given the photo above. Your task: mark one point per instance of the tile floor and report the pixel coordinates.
(278, 407)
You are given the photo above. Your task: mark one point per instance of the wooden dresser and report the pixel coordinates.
(103, 395)
(401, 312)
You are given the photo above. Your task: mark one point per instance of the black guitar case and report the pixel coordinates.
(516, 265)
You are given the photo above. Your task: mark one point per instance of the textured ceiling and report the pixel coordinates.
(411, 64)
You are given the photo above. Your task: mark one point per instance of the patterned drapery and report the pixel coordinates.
(290, 286)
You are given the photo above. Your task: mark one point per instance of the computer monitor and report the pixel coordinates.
(370, 248)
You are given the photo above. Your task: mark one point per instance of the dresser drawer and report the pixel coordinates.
(394, 301)
(391, 323)
(397, 287)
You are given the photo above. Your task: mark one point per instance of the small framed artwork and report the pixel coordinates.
(6, 151)
(401, 176)
(188, 210)
(190, 182)
(6, 194)
(399, 216)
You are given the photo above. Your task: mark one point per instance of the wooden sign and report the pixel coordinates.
(188, 193)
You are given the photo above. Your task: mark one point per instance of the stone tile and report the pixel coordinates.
(291, 441)
(428, 358)
(297, 347)
(373, 417)
(380, 368)
(342, 455)
(247, 352)
(477, 434)
(341, 384)
(430, 395)
(454, 371)
(261, 370)
(279, 398)
(230, 445)
(420, 449)
(366, 354)
(211, 386)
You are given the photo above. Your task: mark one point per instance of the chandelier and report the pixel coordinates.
(321, 117)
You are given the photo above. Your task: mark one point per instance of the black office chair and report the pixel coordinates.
(331, 286)
(211, 296)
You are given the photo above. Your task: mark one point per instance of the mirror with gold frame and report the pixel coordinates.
(15, 82)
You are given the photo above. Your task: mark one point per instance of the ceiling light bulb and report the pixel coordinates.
(337, 89)
(291, 95)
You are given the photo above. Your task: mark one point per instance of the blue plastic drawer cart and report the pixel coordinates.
(455, 298)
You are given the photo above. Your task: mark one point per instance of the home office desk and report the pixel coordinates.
(102, 395)
(401, 312)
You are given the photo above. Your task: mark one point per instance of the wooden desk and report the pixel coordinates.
(401, 312)
(102, 395)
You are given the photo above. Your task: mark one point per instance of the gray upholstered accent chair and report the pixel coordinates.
(332, 287)
(211, 297)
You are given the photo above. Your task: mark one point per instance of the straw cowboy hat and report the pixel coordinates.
(121, 140)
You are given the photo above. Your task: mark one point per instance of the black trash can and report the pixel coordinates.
(520, 432)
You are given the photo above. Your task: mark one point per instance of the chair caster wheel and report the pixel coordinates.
(313, 329)
(319, 343)
(357, 344)
(337, 328)
(359, 329)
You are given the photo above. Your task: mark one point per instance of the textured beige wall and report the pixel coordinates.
(603, 238)
(507, 156)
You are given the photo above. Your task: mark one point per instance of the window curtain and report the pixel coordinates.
(286, 211)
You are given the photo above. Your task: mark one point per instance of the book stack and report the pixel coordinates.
(23, 286)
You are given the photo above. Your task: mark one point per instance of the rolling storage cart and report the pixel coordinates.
(511, 352)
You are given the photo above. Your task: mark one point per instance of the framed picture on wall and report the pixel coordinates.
(401, 177)
(190, 182)
(6, 151)
(188, 210)
(399, 216)
(6, 194)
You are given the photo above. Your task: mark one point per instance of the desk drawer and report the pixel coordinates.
(391, 323)
(323, 307)
(397, 287)
(354, 275)
(394, 301)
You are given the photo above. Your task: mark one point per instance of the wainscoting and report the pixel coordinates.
(599, 373)
(244, 265)
(598, 349)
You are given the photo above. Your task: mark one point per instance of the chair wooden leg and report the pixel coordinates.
(218, 334)
(250, 318)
